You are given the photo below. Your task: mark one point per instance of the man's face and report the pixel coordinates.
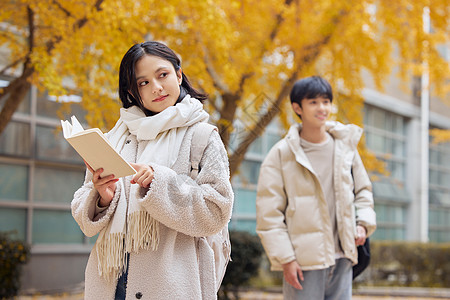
(314, 111)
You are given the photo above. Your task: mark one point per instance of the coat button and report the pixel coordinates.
(138, 295)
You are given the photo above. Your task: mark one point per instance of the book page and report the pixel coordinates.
(76, 126)
(93, 146)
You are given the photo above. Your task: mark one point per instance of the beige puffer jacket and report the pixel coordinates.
(292, 215)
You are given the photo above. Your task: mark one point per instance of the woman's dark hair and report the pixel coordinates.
(310, 88)
(128, 89)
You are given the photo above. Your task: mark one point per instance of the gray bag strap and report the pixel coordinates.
(200, 139)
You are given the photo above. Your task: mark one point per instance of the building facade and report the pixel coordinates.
(39, 172)
(392, 129)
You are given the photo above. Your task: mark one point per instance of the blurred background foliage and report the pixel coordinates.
(13, 254)
(245, 54)
(392, 264)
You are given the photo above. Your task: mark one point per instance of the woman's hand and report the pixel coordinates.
(144, 175)
(361, 235)
(106, 186)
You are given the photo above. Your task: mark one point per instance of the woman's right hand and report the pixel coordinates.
(105, 186)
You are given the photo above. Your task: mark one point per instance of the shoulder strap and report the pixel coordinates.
(200, 139)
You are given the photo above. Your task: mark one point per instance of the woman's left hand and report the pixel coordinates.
(144, 175)
(361, 235)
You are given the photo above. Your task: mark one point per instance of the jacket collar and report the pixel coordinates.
(293, 140)
(349, 134)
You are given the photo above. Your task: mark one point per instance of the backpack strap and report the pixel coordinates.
(200, 138)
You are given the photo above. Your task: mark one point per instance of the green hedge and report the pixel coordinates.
(13, 254)
(408, 264)
(399, 263)
(246, 255)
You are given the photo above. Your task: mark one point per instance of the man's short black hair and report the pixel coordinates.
(311, 88)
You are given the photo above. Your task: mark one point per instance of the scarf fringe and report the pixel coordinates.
(143, 232)
(111, 256)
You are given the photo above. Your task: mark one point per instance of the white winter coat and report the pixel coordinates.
(184, 208)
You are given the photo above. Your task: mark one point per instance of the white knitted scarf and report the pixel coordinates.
(131, 227)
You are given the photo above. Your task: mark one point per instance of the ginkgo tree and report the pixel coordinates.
(245, 54)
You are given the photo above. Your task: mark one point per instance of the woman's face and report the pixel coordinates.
(158, 83)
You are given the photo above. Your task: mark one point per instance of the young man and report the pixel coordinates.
(314, 199)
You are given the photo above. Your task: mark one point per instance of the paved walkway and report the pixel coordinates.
(368, 293)
(362, 293)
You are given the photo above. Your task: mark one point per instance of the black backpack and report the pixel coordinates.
(363, 258)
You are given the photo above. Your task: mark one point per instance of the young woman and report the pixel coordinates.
(147, 222)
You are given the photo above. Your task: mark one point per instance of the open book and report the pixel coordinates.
(93, 146)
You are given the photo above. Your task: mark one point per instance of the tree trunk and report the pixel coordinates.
(14, 93)
(227, 115)
(258, 129)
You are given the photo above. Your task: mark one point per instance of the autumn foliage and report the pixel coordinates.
(245, 54)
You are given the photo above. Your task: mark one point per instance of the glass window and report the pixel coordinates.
(256, 147)
(247, 201)
(377, 143)
(14, 219)
(272, 139)
(93, 239)
(439, 192)
(51, 145)
(56, 185)
(14, 183)
(398, 148)
(445, 158)
(24, 106)
(386, 136)
(398, 125)
(439, 224)
(244, 225)
(379, 118)
(249, 172)
(244, 182)
(388, 230)
(48, 106)
(433, 176)
(397, 170)
(385, 132)
(50, 227)
(236, 137)
(15, 140)
(434, 156)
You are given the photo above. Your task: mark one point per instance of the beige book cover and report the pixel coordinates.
(93, 146)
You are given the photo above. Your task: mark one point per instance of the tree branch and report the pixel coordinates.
(258, 128)
(65, 11)
(217, 82)
(311, 53)
(13, 64)
(78, 25)
(273, 34)
(31, 32)
(18, 88)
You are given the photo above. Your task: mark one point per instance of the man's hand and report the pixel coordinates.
(144, 175)
(361, 235)
(292, 272)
